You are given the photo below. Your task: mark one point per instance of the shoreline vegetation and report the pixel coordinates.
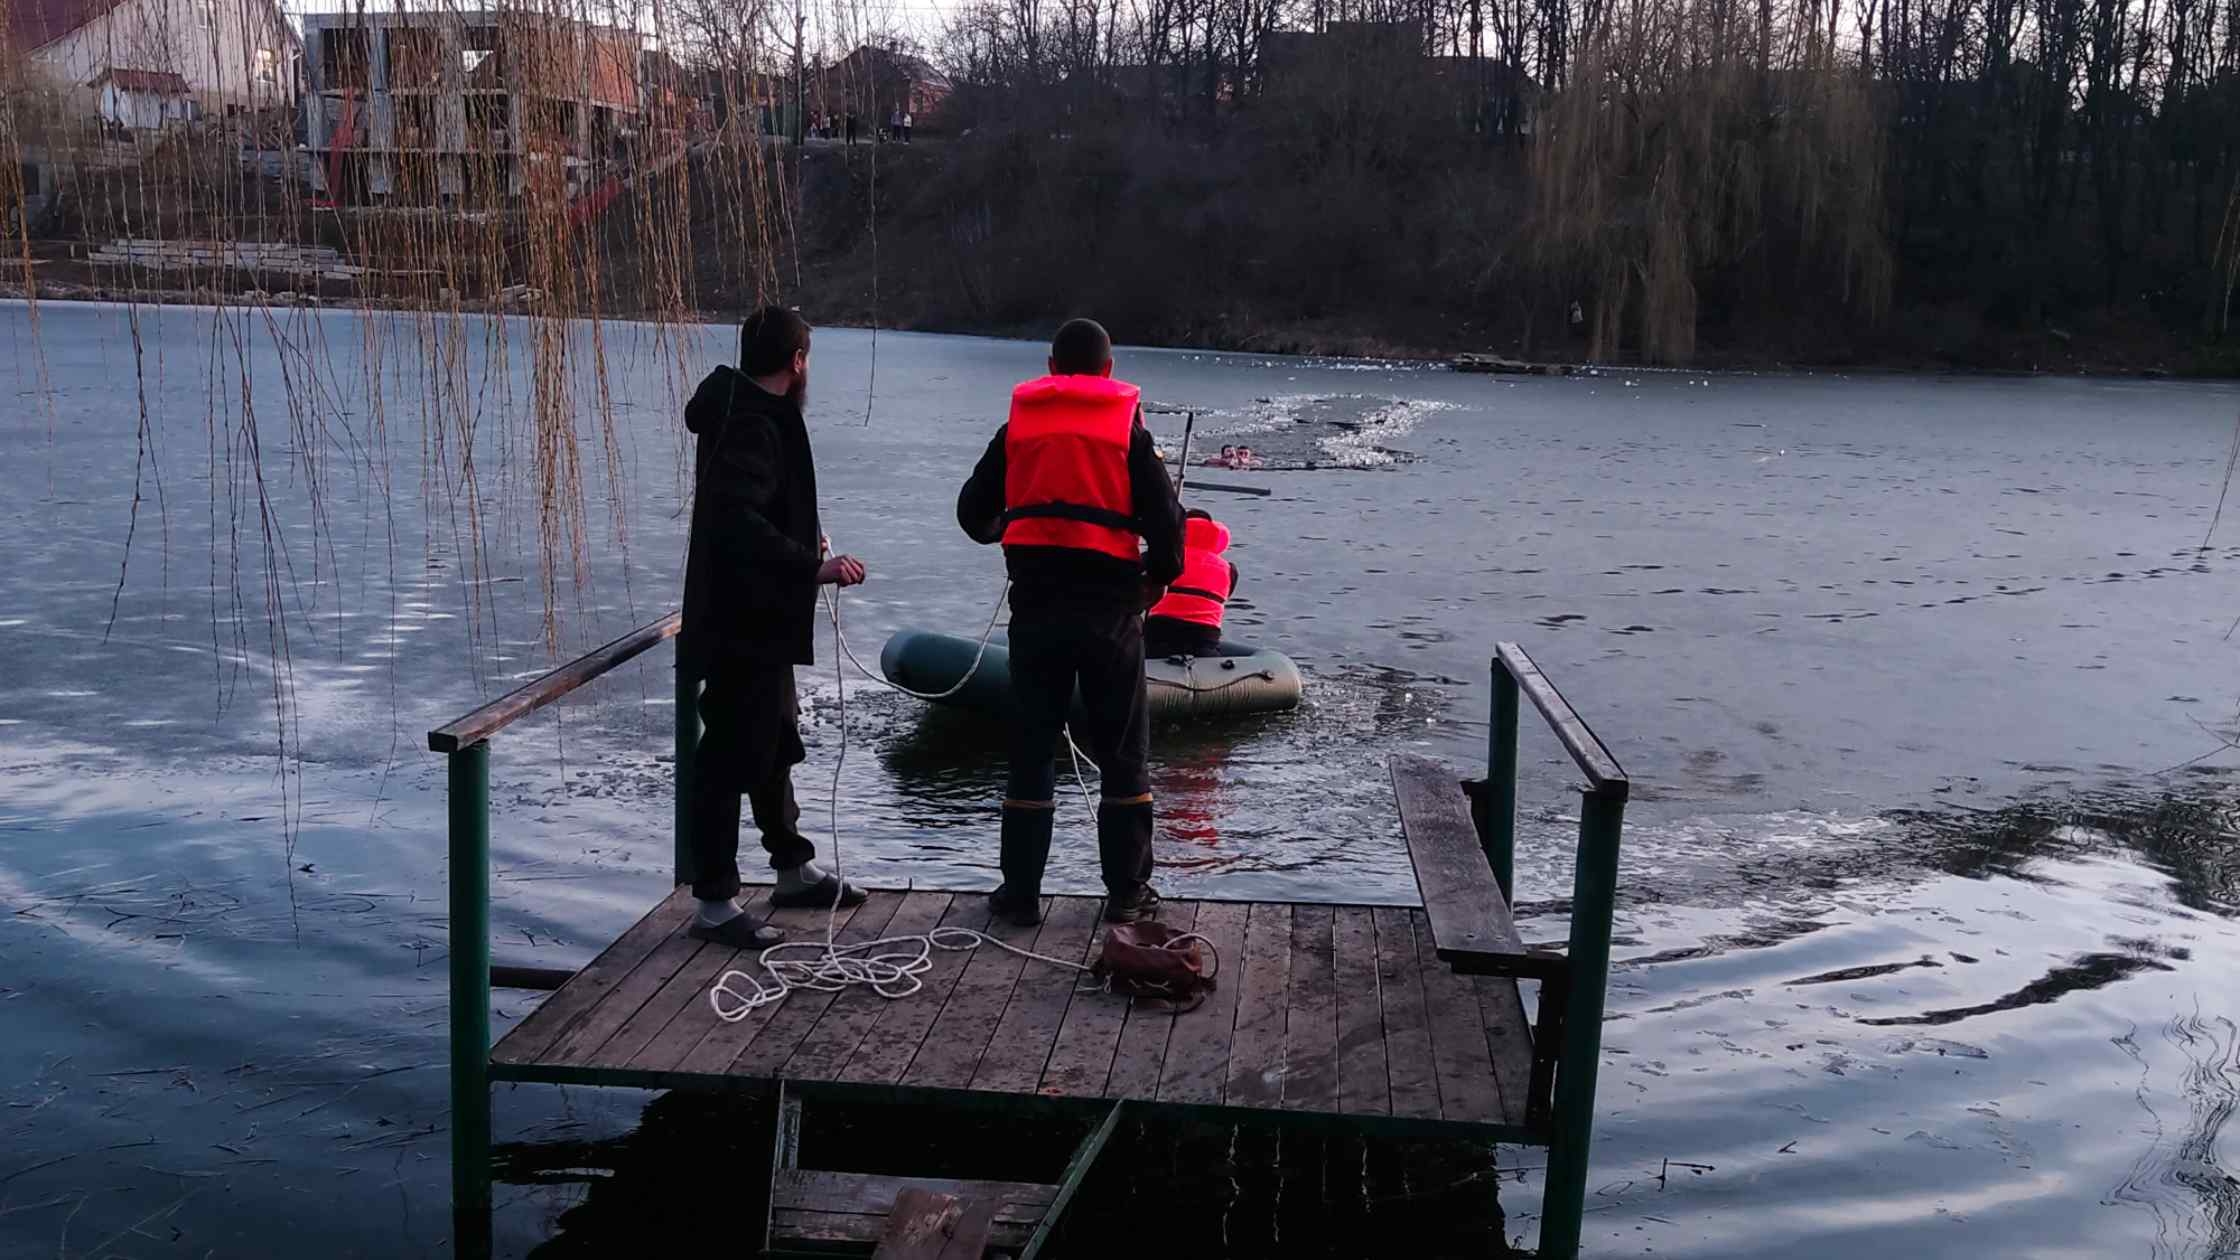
(2051, 355)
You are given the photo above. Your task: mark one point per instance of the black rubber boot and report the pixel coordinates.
(1025, 852)
(1124, 850)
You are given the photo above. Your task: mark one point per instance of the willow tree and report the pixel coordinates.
(1694, 137)
(497, 183)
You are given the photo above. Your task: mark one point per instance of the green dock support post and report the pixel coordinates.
(1501, 782)
(688, 748)
(1593, 907)
(470, 1001)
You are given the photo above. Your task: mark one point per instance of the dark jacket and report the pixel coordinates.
(1058, 579)
(750, 574)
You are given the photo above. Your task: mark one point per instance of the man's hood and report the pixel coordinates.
(711, 403)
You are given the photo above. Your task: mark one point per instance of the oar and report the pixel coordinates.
(1182, 468)
(1182, 471)
(1225, 487)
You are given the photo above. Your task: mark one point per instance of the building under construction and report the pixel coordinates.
(464, 108)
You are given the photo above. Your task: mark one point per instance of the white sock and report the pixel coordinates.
(718, 912)
(806, 875)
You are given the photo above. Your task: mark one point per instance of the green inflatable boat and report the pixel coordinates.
(1240, 680)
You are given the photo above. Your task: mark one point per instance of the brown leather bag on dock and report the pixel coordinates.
(1152, 960)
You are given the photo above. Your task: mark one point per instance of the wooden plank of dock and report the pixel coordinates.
(533, 1036)
(799, 1014)
(1256, 1062)
(1021, 1046)
(721, 1042)
(1407, 1028)
(1459, 1054)
(617, 1017)
(1310, 1038)
(1142, 1052)
(1470, 922)
(902, 1026)
(1088, 1039)
(1197, 1066)
(1332, 1010)
(1364, 1087)
(849, 1018)
(952, 1049)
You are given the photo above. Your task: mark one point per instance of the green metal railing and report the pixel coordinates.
(1569, 1028)
(466, 744)
(1570, 1012)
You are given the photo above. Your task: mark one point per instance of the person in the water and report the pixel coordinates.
(1073, 488)
(753, 562)
(1187, 620)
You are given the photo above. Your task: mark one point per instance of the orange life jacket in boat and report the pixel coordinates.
(1202, 591)
(1065, 457)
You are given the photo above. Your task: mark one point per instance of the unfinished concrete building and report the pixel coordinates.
(464, 108)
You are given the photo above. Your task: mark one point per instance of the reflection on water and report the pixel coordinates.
(1920, 952)
(693, 1177)
(1941, 1020)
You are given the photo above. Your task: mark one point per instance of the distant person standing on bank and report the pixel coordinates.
(851, 126)
(1073, 488)
(906, 126)
(752, 568)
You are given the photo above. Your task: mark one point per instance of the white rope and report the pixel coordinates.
(892, 966)
(884, 681)
(1073, 749)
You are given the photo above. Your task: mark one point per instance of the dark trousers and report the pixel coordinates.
(749, 748)
(1103, 653)
(1165, 636)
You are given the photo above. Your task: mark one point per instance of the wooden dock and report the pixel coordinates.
(1390, 1019)
(1341, 1010)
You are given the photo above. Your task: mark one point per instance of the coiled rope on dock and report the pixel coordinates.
(892, 966)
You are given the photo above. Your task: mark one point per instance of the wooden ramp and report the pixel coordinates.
(1341, 1010)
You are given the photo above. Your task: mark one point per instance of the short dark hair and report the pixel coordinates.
(769, 338)
(1081, 348)
(1197, 514)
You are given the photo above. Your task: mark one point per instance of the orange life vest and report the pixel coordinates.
(1202, 591)
(1065, 456)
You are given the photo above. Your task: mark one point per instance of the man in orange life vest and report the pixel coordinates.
(1187, 621)
(1074, 489)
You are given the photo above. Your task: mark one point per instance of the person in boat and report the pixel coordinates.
(1072, 487)
(754, 560)
(1187, 619)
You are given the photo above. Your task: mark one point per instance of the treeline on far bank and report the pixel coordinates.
(1990, 183)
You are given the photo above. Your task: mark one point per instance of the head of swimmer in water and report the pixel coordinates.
(1228, 452)
(774, 352)
(1081, 348)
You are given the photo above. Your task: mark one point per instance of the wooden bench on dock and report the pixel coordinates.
(1397, 1020)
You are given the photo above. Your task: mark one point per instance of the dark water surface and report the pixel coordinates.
(1927, 934)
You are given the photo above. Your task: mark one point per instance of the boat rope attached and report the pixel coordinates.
(892, 966)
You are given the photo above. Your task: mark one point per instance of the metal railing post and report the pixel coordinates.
(470, 1000)
(688, 748)
(1593, 907)
(1501, 782)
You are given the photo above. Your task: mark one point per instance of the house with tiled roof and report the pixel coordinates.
(238, 53)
